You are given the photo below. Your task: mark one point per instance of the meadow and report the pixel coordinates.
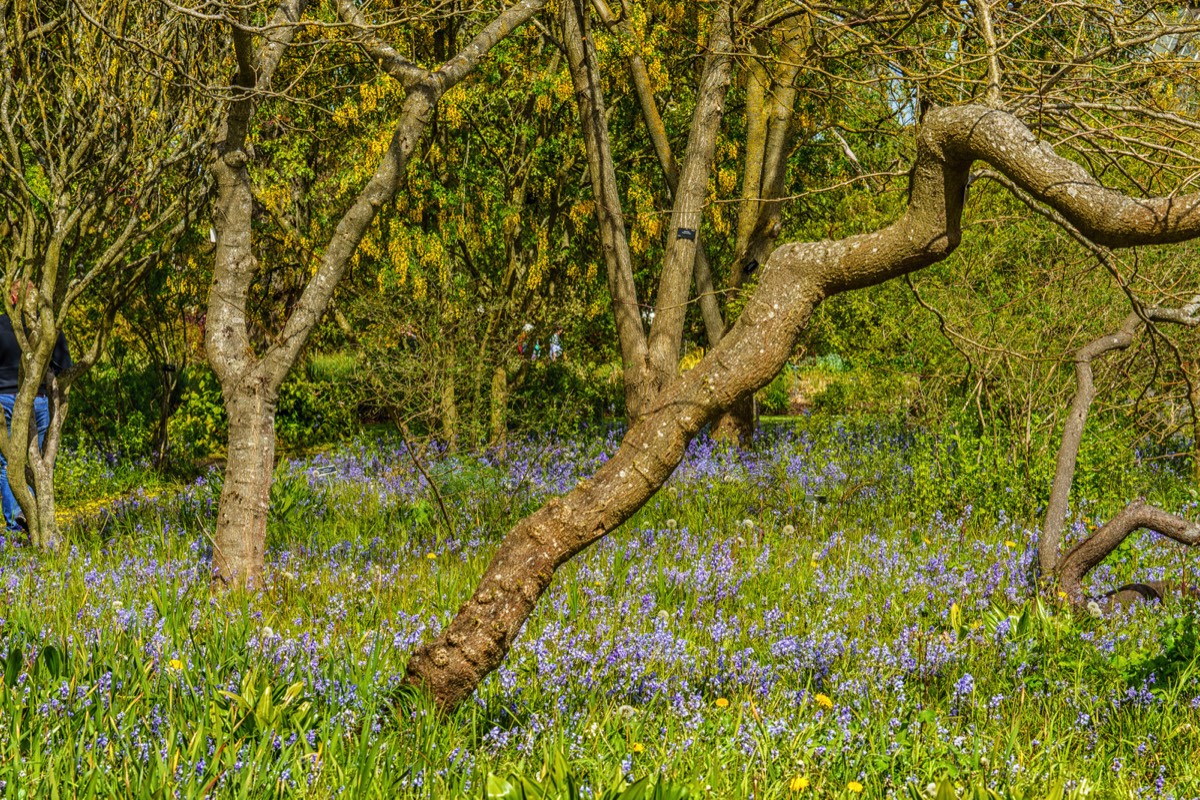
(845, 610)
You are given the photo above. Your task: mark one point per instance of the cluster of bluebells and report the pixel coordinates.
(787, 604)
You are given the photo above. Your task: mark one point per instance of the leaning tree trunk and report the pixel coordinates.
(795, 279)
(1067, 571)
(246, 494)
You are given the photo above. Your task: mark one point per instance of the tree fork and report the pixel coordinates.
(250, 382)
(1085, 395)
(1069, 570)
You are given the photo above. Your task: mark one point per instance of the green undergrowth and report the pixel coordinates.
(846, 611)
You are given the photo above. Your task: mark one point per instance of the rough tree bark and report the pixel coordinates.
(1069, 570)
(796, 277)
(250, 382)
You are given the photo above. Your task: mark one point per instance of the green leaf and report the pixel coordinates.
(497, 787)
(12, 666)
(52, 657)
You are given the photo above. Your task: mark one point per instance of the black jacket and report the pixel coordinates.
(10, 356)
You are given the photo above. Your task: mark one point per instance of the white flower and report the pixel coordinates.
(1094, 609)
(672, 524)
(117, 605)
(626, 712)
(740, 540)
(268, 632)
(788, 530)
(749, 523)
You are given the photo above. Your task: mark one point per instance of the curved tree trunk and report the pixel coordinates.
(1094, 549)
(1069, 570)
(796, 277)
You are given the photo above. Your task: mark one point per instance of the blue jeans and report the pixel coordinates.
(41, 413)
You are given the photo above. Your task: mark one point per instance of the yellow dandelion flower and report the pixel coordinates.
(638, 747)
(824, 701)
(722, 702)
(175, 664)
(1010, 544)
(855, 787)
(431, 556)
(799, 783)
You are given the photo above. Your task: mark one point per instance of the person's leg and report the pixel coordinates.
(41, 416)
(41, 413)
(6, 495)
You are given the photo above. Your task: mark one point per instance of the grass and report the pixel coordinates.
(736, 636)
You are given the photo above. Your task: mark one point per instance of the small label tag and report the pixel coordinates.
(686, 233)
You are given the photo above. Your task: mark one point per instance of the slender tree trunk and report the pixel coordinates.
(238, 555)
(614, 241)
(679, 262)
(770, 102)
(449, 403)
(710, 307)
(1194, 402)
(168, 380)
(649, 364)
(499, 401)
